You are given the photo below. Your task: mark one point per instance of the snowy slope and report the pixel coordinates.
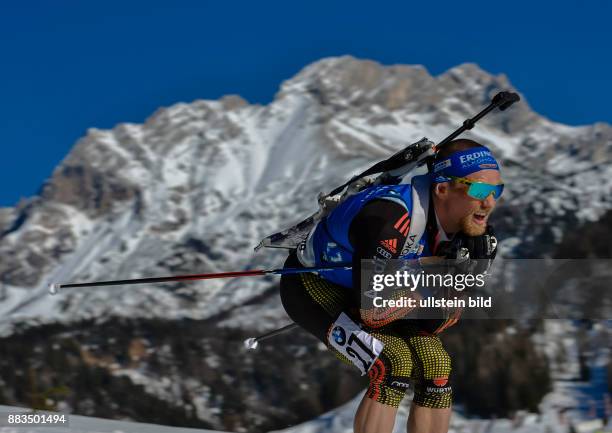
(83, 424)
(340, 420)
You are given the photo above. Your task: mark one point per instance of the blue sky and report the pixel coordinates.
(70, 65)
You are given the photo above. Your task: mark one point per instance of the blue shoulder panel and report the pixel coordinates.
(330, 239)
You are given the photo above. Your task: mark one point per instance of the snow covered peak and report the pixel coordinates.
(473, 77)
(347, 81)
(197, 185)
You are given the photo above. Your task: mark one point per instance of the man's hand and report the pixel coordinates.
(478, 247)
(471, 254)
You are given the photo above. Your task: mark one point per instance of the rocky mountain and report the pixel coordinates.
(194, 189)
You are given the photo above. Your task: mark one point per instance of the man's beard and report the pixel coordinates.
(470, 228)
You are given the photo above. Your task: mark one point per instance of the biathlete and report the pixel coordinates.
(381, 223)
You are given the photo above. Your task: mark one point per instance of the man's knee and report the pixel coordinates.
(389, 369)
(432, 382)
(436, 393)
(390, 374)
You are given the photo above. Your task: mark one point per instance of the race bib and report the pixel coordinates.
(358, 346)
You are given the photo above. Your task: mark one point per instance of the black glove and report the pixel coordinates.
(475, 247)
(472, 254)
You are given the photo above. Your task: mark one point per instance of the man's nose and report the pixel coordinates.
(488, 202)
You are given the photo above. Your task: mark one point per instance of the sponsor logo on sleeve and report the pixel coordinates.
(390, 245)
(386, 254)
(411, 247)
(402, 224)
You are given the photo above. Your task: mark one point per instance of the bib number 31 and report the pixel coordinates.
(358, 346)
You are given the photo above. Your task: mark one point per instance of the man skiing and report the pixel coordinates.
(382, 223)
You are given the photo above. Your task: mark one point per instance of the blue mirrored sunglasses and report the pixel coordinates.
(481, 190)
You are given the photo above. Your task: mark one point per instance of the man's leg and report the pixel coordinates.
(428, 420)
(310, 301)
(315, 304)
(431, 407)
(389, 379)
(374, 417)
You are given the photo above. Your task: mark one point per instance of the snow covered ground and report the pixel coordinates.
(340, 420)
(83, 424)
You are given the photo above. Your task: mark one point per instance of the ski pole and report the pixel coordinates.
(54, 287)
(253, 342)
(502, 100)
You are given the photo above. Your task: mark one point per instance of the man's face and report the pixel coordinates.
(470, 215)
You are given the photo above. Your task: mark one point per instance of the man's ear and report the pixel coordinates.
(441, 190)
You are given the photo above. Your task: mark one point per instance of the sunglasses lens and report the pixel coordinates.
(498, 190)
(481, 191)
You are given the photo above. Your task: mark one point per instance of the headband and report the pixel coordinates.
(464, 163)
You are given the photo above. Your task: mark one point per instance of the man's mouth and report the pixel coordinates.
(480, 218)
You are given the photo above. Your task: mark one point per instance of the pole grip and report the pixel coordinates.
(501, 100)
(505, 99)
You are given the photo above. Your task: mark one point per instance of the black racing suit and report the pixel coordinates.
(412, 349)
